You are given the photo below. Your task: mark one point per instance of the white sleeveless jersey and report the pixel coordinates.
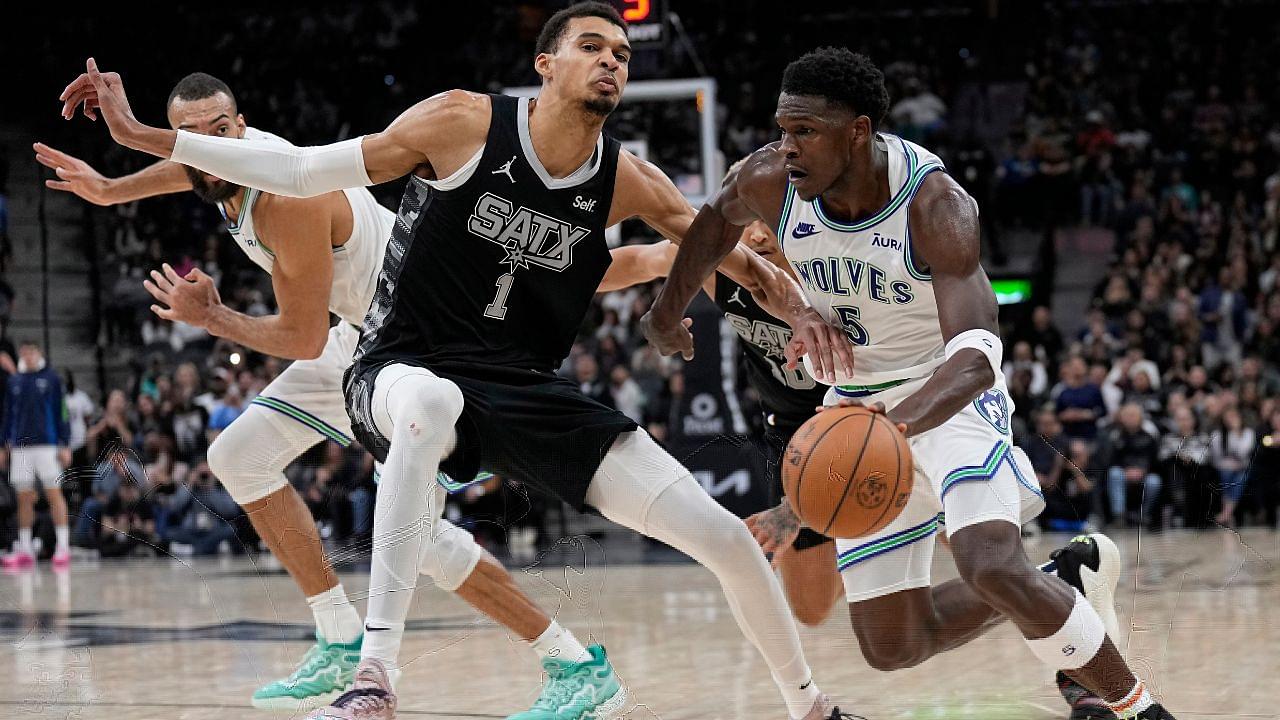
(861, 276)
(355, 264)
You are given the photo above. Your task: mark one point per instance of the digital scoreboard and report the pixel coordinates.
(646, 19)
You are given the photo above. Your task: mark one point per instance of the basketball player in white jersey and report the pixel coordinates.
(885, 245)
(805, 559)
(481, 393)
(323, 255)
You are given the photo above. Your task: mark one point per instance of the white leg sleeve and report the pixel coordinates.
(642, 487)
(417, 410)
(250, 456)
(451, 556)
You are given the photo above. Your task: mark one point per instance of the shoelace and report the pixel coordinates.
(363, 699)
(306, 666)
(557, 691)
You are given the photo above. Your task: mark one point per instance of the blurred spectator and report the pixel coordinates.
(113, 428)
(1079, 402)
(80, 407)
(128, 522)
(230, 407)
(1264, 472)
(626, 393)
(587, 375)
(1023, 357)
(36, 435)
(1130, 456)
(202, 518)
(1067, 492)
(1231, 447)
(1184, 457)
(1222, 312)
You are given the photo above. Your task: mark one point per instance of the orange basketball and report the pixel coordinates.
(848, 472)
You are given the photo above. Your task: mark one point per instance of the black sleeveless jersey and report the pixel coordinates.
(499, 270)
(790, 394)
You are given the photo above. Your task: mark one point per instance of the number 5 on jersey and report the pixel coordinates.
(848, 315)
(498, 308)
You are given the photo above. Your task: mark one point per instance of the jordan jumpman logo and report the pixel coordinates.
(506, 170)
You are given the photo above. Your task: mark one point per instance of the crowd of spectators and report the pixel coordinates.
(1158, 408)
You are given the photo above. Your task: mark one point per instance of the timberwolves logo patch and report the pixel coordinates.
(993, 406)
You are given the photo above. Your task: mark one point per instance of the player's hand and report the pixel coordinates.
(100, 92)
(192, 300)
(826, 345)
(876, 407)
(669, 339)
(74, 175)
(775, 529)
(64, 457)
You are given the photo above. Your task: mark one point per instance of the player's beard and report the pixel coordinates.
(210, 192)
(602, 105)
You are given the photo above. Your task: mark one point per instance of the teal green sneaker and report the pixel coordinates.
(588, 690)
(324, 673)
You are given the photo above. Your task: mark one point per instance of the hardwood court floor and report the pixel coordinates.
(172, 639)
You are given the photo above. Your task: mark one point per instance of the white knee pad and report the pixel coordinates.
(250, 456)
(414, 402)
(451, 556)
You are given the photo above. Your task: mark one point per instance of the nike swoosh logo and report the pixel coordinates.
(806, 685)
(374, 629)
(797, 234)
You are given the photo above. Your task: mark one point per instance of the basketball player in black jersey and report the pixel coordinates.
(497, 250)
(788, 396)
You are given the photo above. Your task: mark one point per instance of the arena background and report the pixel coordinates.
(1124, 156)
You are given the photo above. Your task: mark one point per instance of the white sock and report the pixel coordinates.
(336, 618)
(798, 697)
(382, 641)
(63, 534)
(1135, 702)
(557, 642)
(24, 541)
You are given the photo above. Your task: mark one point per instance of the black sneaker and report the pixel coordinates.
(1084, 704)
(1091, 564)
(1155, 712)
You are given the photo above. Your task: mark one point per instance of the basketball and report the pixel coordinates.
(848, 472)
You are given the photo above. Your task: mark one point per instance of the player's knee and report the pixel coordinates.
(810, 613)
(885, 649)
(992, 576)
(422, 407)
(450, 557)
(244, 476)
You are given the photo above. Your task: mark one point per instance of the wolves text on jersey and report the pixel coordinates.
(851, 276)
(529, 237)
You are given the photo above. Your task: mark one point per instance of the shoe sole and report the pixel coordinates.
(608, 709)
(1100, 586)
(295, 705)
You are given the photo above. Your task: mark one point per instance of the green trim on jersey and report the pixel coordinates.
(916, 182)
(888, 210)
(303, 417)
(786, 213)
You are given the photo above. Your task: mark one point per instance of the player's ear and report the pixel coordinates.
(862, 132)
(240, 124)
(542, 65)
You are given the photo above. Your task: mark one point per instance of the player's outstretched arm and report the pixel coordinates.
(431, 133)
(80, 178)
(637, 264)
(944, 234)
(300, 231)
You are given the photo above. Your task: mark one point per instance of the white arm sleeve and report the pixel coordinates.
(275, 167)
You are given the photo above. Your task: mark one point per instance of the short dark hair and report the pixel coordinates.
(198, 86)
(840, 76)
(553, 30)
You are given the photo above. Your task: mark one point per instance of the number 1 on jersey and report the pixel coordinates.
(498, 308)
